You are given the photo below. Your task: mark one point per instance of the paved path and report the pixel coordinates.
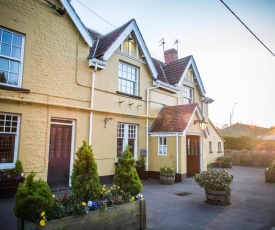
(252, 205)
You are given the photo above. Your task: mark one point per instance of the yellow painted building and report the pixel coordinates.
(52, 96)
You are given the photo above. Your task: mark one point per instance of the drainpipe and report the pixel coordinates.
(92, 106)
(147, 123)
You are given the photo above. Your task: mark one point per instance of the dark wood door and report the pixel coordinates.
(193, 155)
(59, 155)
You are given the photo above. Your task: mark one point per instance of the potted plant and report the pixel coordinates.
(10, 179)
(167, 175)
(216, 184)
(270, 173)
(225, 161)
(140, 167)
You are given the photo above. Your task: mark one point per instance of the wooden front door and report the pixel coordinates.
(193, 155)
(60, 153)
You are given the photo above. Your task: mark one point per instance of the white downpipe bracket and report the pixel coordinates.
(147, 123)
(92, 106)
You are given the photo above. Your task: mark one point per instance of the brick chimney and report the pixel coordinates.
(170, 55)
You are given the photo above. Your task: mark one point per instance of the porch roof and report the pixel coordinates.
(174, 119)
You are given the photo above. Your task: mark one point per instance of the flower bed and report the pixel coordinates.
(126, 216)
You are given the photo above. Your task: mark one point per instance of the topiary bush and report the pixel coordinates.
(85, 179)
(18, 167)
(32, 198)
(126, 175)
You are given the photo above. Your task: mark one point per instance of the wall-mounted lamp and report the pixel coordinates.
(58, 10)
(130, 38)
(203, 124)
(107, 119)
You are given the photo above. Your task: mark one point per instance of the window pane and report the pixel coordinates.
(1, 35)
(4, 64)
(17, 40)
(7, 142)
(3, 77)
(16, 52)
(13, 79)
(6, 49)
(6, 37)
(164, 149)
(14, 67)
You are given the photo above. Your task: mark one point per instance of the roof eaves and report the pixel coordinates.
(78, 23)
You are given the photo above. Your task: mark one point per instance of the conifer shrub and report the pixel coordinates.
(126, 175)
(18, 167)
(32, 198)
(85, 179)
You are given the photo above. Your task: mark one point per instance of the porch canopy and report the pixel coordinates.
(174, 120)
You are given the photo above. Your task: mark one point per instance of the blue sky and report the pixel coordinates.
(233, 65)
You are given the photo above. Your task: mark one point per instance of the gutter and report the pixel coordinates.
(167, 86)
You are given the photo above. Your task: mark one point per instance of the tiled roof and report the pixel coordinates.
(103, 42)
(172, 72)
(173, 118)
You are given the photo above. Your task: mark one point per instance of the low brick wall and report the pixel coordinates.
(127, 216)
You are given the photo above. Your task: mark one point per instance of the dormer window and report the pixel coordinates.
(188, 95)
(189, 75)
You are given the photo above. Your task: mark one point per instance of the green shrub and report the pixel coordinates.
(85, 179)
(167, 170)
(211, 179)
(126, 175)
(32, 198)
(18, 167)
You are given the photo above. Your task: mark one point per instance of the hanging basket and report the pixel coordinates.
(167, 178)
(218, 197)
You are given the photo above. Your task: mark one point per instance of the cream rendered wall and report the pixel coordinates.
(55, 70)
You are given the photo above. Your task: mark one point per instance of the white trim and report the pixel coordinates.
(162, 137)
(78, 23)
(95, 62)
(131, 57)
(132, 27)
(16, 143)
(161, 134)
(196, 75)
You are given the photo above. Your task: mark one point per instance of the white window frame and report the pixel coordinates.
(126, 134)
(162, 144)
(15, 154)
(9, 58)
(188, 95)
(128, 89)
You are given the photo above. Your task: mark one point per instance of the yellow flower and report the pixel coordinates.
(118, 187)
(53, 196)
(132, 199)
(114, 185)
(109, 190)
(42, 223)
(83, 203)
(42, 213)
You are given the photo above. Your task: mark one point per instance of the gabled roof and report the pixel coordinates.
(175, 119)
(106, 45)
(173, 72)
(78, 23)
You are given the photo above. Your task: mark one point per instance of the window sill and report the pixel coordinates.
(128, 95)
(219, 152)
(210, 151)
(14, 89)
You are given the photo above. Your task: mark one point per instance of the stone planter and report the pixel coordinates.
(217, 197)
(8, 187)
(270, 176)
(167, 178)
(126, 216)
(227, 165)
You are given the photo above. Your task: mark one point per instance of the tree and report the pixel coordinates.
(85, 179)
(126, 175)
